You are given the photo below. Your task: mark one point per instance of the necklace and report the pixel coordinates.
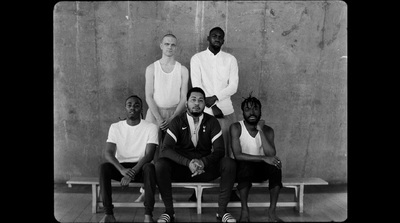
(196, 127)
(195, 137)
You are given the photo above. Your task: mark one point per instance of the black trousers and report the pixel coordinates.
(146, 176)
(248, 172)
(168, 171)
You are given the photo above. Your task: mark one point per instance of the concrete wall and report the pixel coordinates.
(292, 55)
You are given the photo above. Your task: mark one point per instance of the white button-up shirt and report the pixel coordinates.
(217, 75)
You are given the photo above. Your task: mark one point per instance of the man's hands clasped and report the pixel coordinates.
(274, 160)
(128, 176)
(196, 166)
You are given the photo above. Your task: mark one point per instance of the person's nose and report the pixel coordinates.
(252, 112)
(197, 102)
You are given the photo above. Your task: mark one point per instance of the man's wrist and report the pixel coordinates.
(215, 98)
(203, 159)
(134, 172)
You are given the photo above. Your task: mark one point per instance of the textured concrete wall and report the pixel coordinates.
(292, 55)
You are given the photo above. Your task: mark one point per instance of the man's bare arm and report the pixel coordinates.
(109, 155)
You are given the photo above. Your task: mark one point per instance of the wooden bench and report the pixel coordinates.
(296, 183)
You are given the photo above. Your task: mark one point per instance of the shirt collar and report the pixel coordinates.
(191, 120)
(211, 53)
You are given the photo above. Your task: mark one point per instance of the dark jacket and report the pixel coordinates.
(178, 145)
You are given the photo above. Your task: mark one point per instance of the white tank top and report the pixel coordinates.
(167, 86)
(250, 145)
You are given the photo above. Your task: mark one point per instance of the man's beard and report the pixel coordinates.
(195, 113)
(252, 122)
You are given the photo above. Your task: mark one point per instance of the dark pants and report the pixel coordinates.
(248, 172)
(147, 176)
(168, 171)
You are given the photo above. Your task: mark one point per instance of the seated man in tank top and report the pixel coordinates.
(166, 87)
(254, 150)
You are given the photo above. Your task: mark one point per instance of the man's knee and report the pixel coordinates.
(228, 164)
(149, 168)
(105, 168)
(275, 178)
(276, 172)
(162, 164)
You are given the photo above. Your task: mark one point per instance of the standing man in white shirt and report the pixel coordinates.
(217, 73)
(131, 144)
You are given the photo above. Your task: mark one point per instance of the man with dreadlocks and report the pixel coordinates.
(130, 148)
(254, 150)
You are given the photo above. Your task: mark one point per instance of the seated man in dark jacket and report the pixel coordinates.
(193, 151)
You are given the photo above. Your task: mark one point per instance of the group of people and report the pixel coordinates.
(191, 135)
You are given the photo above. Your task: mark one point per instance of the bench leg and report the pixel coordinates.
(301, 196)
(296, 197)
(94, 198)
(199, 192)
(99, 201)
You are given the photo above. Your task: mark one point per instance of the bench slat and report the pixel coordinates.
(285, 182)
(203, 204)
(296, 183)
